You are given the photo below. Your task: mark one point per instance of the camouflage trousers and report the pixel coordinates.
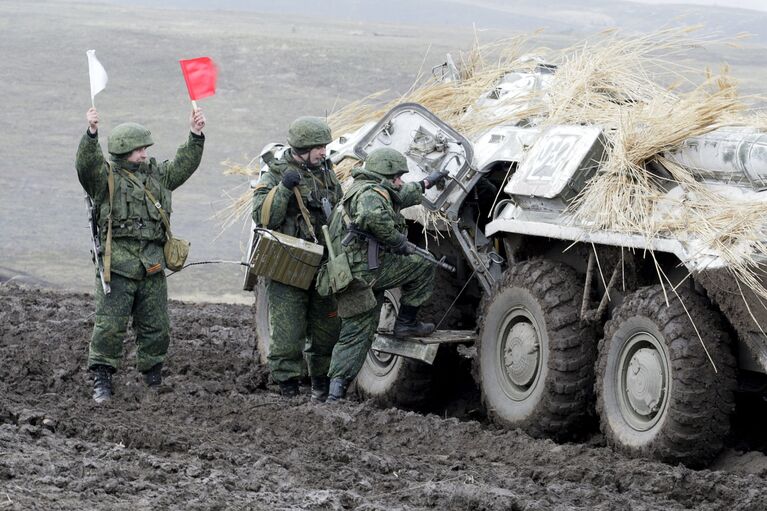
(415, 277)
(147, 301)
(303, 326)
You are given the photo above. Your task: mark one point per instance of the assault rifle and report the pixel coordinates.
(96, 242)
(374, 244)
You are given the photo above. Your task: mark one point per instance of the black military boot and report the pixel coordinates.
(320, 388)
(102, 382)
(407, 326)
(337, 390)
(288, 388)
(153, 377)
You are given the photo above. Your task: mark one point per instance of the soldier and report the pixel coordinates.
(372, 204)
(132, 232)
(301, 322)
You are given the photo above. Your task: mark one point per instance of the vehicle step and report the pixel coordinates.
(421, 348)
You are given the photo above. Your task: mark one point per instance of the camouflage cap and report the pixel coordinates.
(308, 132)
(128, 136)
(386, 162)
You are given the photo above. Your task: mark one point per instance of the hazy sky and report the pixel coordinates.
(759, 5)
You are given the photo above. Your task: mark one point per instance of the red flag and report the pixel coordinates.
(200, 76)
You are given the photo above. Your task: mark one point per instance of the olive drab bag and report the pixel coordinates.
(286, 259)
(336, 270)
(176, 250)
(354, 295)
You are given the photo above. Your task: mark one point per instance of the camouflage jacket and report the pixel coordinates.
(282, 207)
(138, 234)
(374, 206)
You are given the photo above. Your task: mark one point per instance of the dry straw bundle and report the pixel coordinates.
(452, 101)
(615, 84)
(646, 98)
(239, 200)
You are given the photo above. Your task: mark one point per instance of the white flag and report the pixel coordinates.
(97, 73)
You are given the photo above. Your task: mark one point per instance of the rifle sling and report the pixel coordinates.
(304, 212)
(266, 210)
(108, 249)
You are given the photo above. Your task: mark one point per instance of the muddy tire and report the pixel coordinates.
(391, 380)
(657, 393)
(261, 320)
(535, 358)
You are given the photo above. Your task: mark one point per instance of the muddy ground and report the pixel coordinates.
(216, 436)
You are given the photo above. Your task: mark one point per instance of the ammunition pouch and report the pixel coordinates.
(334, 276)
(373, 254)
(322, 282)
(339, 273)
(176, 251)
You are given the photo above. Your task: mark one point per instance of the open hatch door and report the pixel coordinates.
(428, 144)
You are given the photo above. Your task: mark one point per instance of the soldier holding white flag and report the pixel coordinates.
(132, 197)
(97, 74)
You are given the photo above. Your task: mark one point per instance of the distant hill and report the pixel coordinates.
(559, 16)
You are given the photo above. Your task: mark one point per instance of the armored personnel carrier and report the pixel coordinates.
(568, 323)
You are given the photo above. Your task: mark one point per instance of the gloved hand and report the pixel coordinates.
(434, 178)
(403, 246)
(290, 179)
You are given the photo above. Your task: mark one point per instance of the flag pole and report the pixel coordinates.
(194, 105)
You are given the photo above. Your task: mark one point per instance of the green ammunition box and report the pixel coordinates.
(286, 259)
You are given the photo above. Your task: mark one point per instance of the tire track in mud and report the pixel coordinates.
(216, 436)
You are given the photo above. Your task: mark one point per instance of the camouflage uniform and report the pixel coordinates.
(299, 320)
(374, 205)
(138, 286)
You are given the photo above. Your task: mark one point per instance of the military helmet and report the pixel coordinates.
(308, 132)
(128, 136)
(386, 162)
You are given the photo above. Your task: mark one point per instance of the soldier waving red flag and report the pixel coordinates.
(200, 76)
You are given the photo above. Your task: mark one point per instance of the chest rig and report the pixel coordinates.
(133, 213)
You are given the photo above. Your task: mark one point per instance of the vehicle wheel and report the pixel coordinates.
(657, 392)
(391, 380)
(261, 319)
(535, 358)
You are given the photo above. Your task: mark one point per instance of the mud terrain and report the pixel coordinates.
(216, 436)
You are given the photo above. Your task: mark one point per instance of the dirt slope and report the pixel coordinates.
(217, 437)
